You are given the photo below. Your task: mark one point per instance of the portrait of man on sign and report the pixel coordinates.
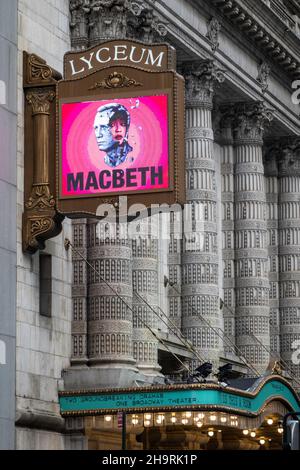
(111, 126)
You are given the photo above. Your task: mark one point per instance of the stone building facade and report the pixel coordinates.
(8, 233)
(231, 286)
(43, 341)
(234, 292)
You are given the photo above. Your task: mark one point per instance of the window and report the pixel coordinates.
(45, 285)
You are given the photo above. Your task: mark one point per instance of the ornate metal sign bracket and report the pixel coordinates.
(40, 218)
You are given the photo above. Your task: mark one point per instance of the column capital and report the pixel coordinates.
(251, 120)
(288, 157)
(223, 124)
(284, 155)
(95, 20)
(201, 79)
(40, 100)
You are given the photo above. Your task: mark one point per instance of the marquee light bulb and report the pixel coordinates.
(213, 418)
(211, 433)
(262, 442)
(108, 419)
(199, 424)
(245, 432)
(270, 421)
(223, 419)
(280, 430)
(173, 419)
(252, 433)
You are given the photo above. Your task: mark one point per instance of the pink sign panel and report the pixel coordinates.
(114, 146)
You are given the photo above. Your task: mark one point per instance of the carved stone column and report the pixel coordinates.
(252, 283)
(271, 182)
(289, 250)
(145, 286)
(228, 223)
(175, 271)
(200, 260)
(109, 319)
(113, 334)
(79, 294)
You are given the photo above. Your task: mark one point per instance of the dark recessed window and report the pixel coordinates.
(45, 285)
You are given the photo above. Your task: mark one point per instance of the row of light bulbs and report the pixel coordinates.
(198, 420)
(185, 418)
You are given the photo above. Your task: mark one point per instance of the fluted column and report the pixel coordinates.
(175, 269)
(252, 283)
(109, 318)
(114, 335)
(271, 182)
(289, 250)
(79, 294)
(145, 288)
(200, 263)
(228, 223)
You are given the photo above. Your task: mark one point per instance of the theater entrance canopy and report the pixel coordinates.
(245, 414)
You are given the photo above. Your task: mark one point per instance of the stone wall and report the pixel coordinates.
(8, 194)
(43, 343)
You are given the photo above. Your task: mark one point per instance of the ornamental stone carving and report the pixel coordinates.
(251, 121)
(95, 20)
(79, 26)
(288, 156)
(201, 79)
(264, 70)
(213, 30)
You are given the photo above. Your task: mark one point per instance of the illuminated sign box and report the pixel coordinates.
(115, 146)
(120, 130)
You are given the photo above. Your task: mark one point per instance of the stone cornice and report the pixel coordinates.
(268, 42)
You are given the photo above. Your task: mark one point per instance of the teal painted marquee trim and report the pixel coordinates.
(156, 400)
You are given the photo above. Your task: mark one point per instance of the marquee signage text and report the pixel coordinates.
(109, 402)
(116, 54)
(120, 130)
(108, 54)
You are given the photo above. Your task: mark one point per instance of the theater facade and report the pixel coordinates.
(111, 329)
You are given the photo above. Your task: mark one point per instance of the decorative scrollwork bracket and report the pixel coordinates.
(40, 218)
(116, 80)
